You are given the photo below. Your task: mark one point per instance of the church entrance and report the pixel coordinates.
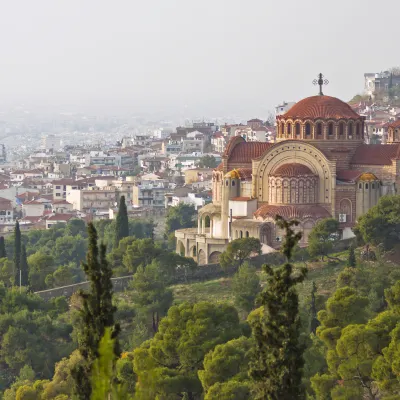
(266, 234)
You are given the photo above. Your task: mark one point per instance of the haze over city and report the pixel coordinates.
(191, 58)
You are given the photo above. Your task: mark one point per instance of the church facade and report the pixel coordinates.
(318, 167)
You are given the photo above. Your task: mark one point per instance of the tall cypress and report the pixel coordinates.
(277, 362)
(352, 261)
(314, 323)
(24, 267)
(97, 314)
(17, 252)
(2, 247)
(121, 223)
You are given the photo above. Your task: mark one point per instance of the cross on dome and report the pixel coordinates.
(320, 81)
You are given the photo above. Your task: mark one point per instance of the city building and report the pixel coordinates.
(6, 210)
(50, 142)
(93, 200)
(150, 191)
(320, 167)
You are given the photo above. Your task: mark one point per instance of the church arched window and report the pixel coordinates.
(289, 128)
(319, 129)
(341, 129)
(297, 128)
(358, 129)
(308, 129)
(330, 129)
(350, 129)
(283, 129)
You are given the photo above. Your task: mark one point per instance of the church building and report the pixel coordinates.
(319, 167)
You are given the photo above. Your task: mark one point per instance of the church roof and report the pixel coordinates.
(376, 154)
(292, 169)
(246, 151)
(395, 124)
(292, 212)
(321, 107)
(240, 173)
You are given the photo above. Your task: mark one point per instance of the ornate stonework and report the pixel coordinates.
(319, 168)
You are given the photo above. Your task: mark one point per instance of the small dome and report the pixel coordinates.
(367, 177)
(232, 174)
(325, 107)
(291, 170)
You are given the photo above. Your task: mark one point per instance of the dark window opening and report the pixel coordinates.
(330, 129)
(289, 128)
(308, 129)
(297, 129)
(341, 129)
(319, 129)
(366, 186)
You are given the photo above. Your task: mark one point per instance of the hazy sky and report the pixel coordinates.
(203, 57)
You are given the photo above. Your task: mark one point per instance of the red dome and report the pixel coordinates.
(291, 170)
(325, 107)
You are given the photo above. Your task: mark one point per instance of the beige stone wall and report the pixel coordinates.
(291, 151)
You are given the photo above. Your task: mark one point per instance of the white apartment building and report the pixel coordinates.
(92, 200)
(50, 142)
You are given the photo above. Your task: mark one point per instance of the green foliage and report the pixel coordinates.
(3, 252)
(121, 224)
(150, 294)
(227, 363)
(179, 217)
(314, 323)
(351, 261)
(207, 162)
(381, 224)
(167, 365)
(231, 390)
(277, 362)
(17, 252)
(24, 277)
(238, 251)
(103, 372)
(97, 313)
(323, 237)
(246, 286)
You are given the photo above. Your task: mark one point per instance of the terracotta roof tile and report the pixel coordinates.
(395, 124)
(60, 217)
(376, 154)
(292, 169)
(348, 175)
(321, 107)
(247, 151)
(292, 212)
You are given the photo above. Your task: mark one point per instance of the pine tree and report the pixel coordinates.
(277, 359)
(351, 261)
(17, 252)
(121, 223)
(314, 323)
(24, 267)
(2, 247)
(97, 314)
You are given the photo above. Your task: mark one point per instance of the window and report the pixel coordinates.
(227, 183)
(319, 129)
(358, 129)
(233, 183)
(308, 129)
(283, 128)
(58, 194)
(241, 234)
(360, 185)
(58, 187)
(341, 129)
(289, 128)
(350, 129)
(297, 129)
(366, 186)
(373, 186)
(247, 234)
(330, 129)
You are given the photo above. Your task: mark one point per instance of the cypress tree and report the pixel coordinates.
(314, 323)
(351, 261)
(17, 252)
(24, 267)
(121, 223)
(97, 314)
(277, 362)
(2, 247)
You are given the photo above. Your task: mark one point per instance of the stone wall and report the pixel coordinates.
(202, 273)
